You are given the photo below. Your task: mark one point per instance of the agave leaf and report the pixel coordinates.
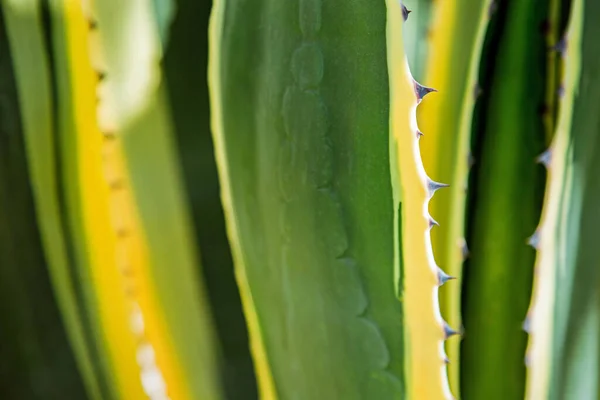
(455, 42)
(33, 73)
(300, 122)
(424, 329)
(37, 359)
(133, 107)
(505, 196)
(564, 352)
(185, 67)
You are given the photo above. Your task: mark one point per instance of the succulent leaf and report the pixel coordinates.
(505, 196)
(455, 41)
(299, 123)
(424, 329)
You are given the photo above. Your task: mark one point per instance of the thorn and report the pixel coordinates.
(545, 158)
(419, 134)
(446, 359)
(493, 8)
(561, 91)
(477, 91)
(470, 160)
(432, 223)
(448, 331)
(101, 75)
(92, 24)
(534, 240)
(421, 91)
(434, 186)
(527, 324)
(405, 11)
(560, 47)
(443, 277)
(464, 248)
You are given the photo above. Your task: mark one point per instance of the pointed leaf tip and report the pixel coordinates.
(421, 91)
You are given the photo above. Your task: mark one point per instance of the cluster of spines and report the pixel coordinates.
(432, 187)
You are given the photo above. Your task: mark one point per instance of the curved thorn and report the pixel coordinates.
(527, 324)
(448, 331)
(545, 158)
(434, 186)
(405, 12)
(421, 91)
(477, 91)
(432, 222)
(534, 240)
(493, 8)
(443, 277)
(464, 249)
(470, 160)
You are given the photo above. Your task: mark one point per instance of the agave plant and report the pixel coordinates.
(241, 199)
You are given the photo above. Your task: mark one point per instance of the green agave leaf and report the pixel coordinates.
(505, 199)
(456, 39)
(34, 72)
(300, 110)
(564, 348)
(135, 104)
(185, 68)
(37, 360)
